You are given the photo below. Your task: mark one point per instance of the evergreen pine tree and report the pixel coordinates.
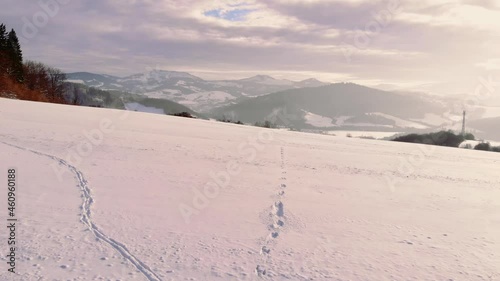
(3, 50)
(3, 37)
(15, 56)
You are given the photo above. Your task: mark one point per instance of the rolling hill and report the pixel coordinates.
(90, 96)
(189, 90)
(342, 105)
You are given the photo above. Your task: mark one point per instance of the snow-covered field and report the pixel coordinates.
(134, 106)
(318, 120)
(113, 195)
(212, 97)
(76, 81)
(362, 134)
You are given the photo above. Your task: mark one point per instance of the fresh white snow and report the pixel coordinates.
(166, 93)
(76, 81)
(212, 96)
(362, 134)
(204, 100)
(134, 106)
(117, 195)
(341, 120)
(318, 120)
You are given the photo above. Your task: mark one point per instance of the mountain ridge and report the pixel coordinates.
(339, 105)
(187, 89)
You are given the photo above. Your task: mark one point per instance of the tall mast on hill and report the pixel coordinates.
(463, 125)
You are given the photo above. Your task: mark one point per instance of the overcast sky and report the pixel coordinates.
(436, 45)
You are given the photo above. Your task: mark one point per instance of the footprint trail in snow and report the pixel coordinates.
(277, 214)
(87, 220)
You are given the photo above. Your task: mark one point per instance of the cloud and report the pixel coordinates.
(491, 64)
(231, 15)
(399, 42)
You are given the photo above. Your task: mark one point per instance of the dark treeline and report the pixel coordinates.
(27, 80)
(442, 138)
(446, 138)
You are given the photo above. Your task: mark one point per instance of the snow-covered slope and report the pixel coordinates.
(344, 106)
(115, 195)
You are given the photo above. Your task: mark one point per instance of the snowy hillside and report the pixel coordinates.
(117, 195)
(341, 106)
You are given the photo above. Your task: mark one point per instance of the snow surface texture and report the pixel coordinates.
(141, 108)
(318, 120)
(362, 134)
(115, 195)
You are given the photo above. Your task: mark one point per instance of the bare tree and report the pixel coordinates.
(56, 85)
(75, 100)
(47, 80)
(35, 76)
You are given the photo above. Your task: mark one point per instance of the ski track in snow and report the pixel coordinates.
(86, 216)
(277, 214)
